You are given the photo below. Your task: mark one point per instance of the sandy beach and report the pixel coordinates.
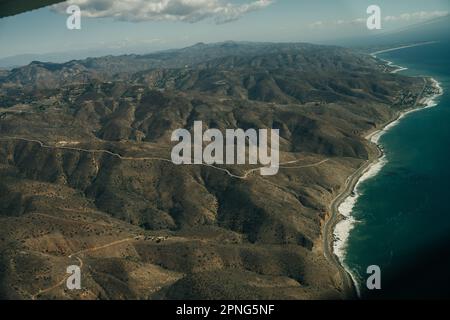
(337, 229)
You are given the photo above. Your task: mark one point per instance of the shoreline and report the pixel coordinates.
(338, 227)
(391, 64)
(403, 47)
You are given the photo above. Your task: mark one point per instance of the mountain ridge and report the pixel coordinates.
(85, 163)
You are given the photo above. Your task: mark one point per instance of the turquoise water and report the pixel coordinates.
(404, 211)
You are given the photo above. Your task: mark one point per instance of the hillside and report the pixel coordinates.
(85, 175)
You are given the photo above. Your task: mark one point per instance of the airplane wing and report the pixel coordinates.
(13, 7)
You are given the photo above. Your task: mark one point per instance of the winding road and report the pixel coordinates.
(81, 263)
(245, 176)
(242, 177)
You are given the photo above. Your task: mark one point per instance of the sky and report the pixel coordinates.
(138, 26)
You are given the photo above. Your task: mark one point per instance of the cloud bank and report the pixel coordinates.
(160, 10)
(404, 17)
(421, 15)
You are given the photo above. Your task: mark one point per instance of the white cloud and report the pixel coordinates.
(420, 15)
(173, 10)
(317, 24)
(404, 17)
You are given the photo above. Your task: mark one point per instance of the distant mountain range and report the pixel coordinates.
(433, 30)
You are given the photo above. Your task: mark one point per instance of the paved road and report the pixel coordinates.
(328, 229)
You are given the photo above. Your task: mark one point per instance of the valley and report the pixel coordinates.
(86, 170)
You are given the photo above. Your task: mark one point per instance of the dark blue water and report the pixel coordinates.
(404, 211)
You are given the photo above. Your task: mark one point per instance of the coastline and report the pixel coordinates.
(338, 227)
(391, 64)
(403, 47)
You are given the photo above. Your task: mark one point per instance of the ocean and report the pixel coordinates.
(401, 208)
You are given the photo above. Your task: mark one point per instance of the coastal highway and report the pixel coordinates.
(349, 288)
(350, 291)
